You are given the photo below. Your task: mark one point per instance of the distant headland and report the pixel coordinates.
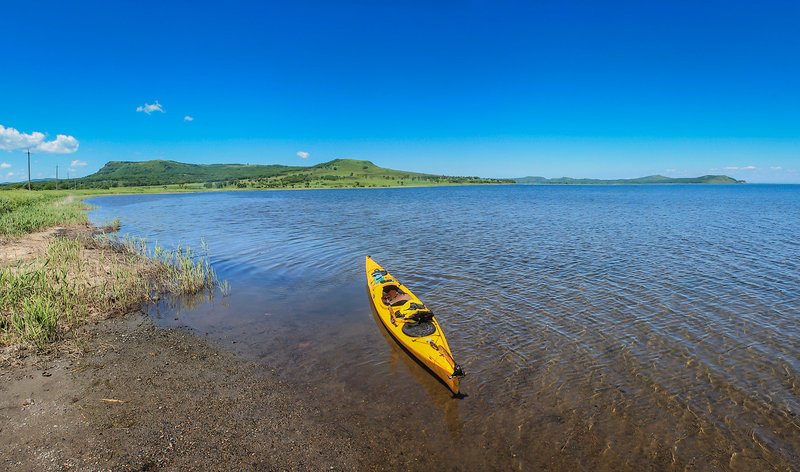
(650, 179)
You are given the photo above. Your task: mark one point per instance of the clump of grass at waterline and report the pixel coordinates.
(23, 212)
(90, 278)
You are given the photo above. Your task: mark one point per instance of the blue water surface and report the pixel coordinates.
(626, 327)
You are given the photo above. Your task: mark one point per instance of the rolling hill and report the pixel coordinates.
(336, 173)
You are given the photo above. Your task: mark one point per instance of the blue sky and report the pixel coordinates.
(496, 89)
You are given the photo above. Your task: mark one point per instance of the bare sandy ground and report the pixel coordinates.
(26, 248)
(144, 398)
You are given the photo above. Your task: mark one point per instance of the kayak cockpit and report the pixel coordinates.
(393, 296)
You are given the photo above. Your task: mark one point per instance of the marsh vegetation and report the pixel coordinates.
(79, 275)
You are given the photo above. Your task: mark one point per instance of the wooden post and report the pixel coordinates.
(29, 169)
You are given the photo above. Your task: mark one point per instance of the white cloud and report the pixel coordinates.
(4, 165)
(669, 171)
(748, 167)
(150, 108)
(77, 163)
(188, 118)
(731, 168)
(776, 167)
(61, 145)
(10, 174)
(303, 154)
(13, 140)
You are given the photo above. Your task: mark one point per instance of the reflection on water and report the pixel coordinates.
(441, 397)
(602, 327)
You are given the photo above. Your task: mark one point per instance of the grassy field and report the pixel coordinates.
(23, 212)
(80, 277)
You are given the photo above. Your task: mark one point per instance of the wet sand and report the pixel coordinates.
(138, 397)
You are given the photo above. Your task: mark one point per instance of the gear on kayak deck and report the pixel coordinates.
(411, 324)
(418, 330)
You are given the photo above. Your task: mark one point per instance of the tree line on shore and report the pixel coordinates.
(336, 173)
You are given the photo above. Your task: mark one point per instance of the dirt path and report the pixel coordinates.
(28, 247)
(25, 248)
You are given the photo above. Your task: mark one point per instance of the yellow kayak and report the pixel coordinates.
(412, 324)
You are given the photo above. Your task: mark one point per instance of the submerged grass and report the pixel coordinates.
(89, 278)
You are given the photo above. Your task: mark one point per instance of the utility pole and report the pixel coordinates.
(29, 169)
(56, 177)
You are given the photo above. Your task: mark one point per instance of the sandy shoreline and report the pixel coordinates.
(139, 397)
(144, 398)
(131, 396)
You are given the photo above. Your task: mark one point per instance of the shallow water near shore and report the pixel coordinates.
(601, 327)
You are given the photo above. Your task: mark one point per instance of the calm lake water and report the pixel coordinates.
(601, 327)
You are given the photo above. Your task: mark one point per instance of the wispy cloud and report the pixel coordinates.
(13, 140)
(303, 154)
(776, 167)
(77, 163)
(4, 165)
(740, 168)
(150, 108)
(188, 118)
(10, 174)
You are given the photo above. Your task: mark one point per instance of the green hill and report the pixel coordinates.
(158, 172)
(651, 179)
(336, 173)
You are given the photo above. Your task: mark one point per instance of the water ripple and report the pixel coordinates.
(657, 324)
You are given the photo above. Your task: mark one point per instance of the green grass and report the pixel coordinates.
(23, 212)
(44, 300)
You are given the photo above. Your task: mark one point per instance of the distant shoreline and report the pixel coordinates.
(198, 188)
(647, 180)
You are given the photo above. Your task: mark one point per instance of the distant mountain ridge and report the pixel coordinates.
(650, 179)
(336, 173)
